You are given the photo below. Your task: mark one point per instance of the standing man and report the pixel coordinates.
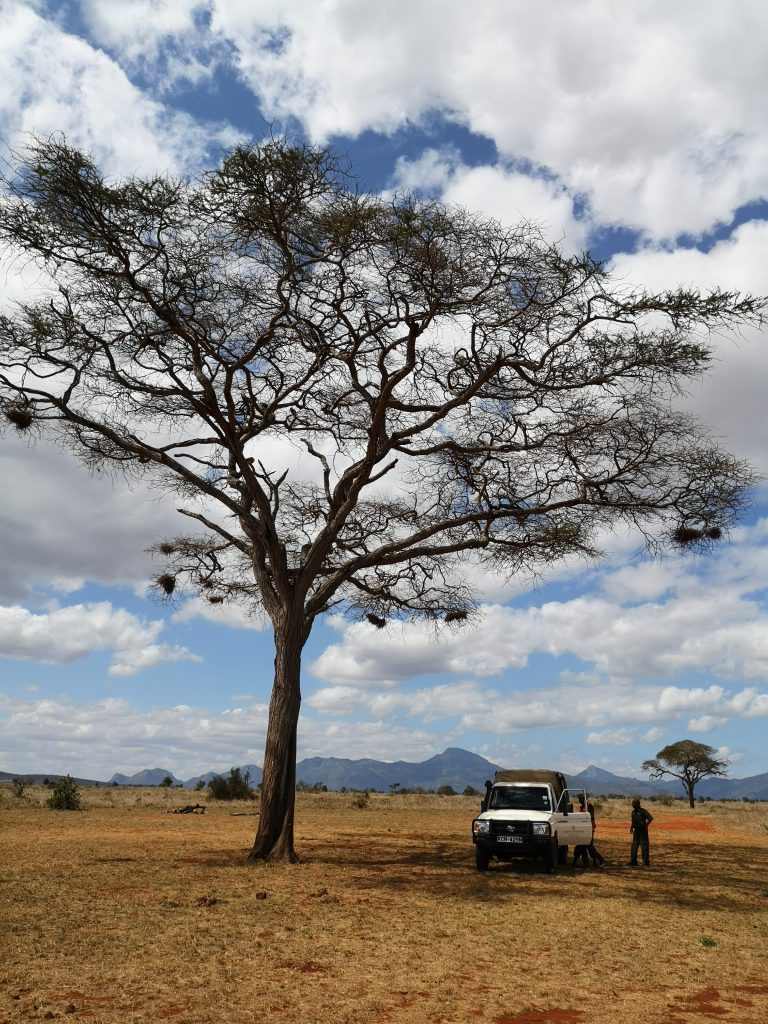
(640, 821)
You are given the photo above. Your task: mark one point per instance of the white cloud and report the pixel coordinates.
(500, 192)
(612, 707)
(154, 35)
(730, 397)
(653, 735)
(67, 634)
(612, 737)
(705, 723)
(99, 738)
(652, 111)
(232, 615)
(56, 82)
(714, 628)
(61, 525)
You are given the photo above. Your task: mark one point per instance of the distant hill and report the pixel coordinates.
(599, 782)
(147, 777)
(40, 778)
(454, 767)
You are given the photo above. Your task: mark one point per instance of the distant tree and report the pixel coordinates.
(19, 786)
(687, 761)
(65, 795)
(470, 791)
(445, 791)
(235, 786)
(311, 787)
(394, 787)
(464, 392)
(199, 785)
(167, 782)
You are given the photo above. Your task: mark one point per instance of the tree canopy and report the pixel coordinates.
(688, 761)
(355, 396)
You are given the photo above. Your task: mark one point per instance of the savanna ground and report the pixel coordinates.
(123, 912)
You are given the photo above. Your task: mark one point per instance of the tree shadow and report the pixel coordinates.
(683, 875)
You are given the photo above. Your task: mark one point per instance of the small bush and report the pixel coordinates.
(167, 782)
(18, 786)
(665, 799)
(361, 800)
(65, 795)
(199, 785)
(445, 791)
(234, 786)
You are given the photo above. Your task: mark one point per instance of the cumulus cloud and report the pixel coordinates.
(651, 111)
(54, 81)
(499, 191)
(67, 634)
(612, 737)
(99, 738)
(60, 525)
(704, 622)
(734, 381)
(155, 36)
(610, 707)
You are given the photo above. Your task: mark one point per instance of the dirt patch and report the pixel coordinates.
(551, 1016)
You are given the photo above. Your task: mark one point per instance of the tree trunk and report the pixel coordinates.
(689, 788)
(274, 836)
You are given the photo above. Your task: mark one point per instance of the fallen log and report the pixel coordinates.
(189, 809)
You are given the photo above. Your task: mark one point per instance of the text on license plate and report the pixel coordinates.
(509, 839)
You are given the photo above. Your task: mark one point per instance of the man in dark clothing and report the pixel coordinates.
(640, 820)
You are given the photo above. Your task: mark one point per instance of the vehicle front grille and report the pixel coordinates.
(511, 828)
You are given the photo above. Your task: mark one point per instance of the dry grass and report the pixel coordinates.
(125, 913)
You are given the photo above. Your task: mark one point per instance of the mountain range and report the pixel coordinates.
(454, 767)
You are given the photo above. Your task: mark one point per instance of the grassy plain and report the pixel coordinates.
(123, 912)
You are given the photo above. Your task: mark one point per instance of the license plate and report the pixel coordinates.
(509, 839)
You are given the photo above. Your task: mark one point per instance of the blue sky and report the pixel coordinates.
(637, 131)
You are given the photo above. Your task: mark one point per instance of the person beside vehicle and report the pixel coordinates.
(597, 858)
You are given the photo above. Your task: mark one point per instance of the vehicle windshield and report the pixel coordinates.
(519, 798)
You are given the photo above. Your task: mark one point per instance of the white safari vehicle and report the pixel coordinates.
(529, 813)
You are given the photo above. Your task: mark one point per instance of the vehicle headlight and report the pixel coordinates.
(541, 828)
(479, 825)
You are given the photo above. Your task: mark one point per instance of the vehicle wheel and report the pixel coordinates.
(482, 858)
(562, 855)
(550, 860)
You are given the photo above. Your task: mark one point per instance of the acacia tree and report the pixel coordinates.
(464, 394)
(688, 761)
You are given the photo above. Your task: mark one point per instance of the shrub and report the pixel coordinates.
(167, 782)
(361, 800)
(200, 784)
(470, 791)
(665, 799)
(65, 795)
(18, 786)
(311, 787)
(234, 786)
(445, 791)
